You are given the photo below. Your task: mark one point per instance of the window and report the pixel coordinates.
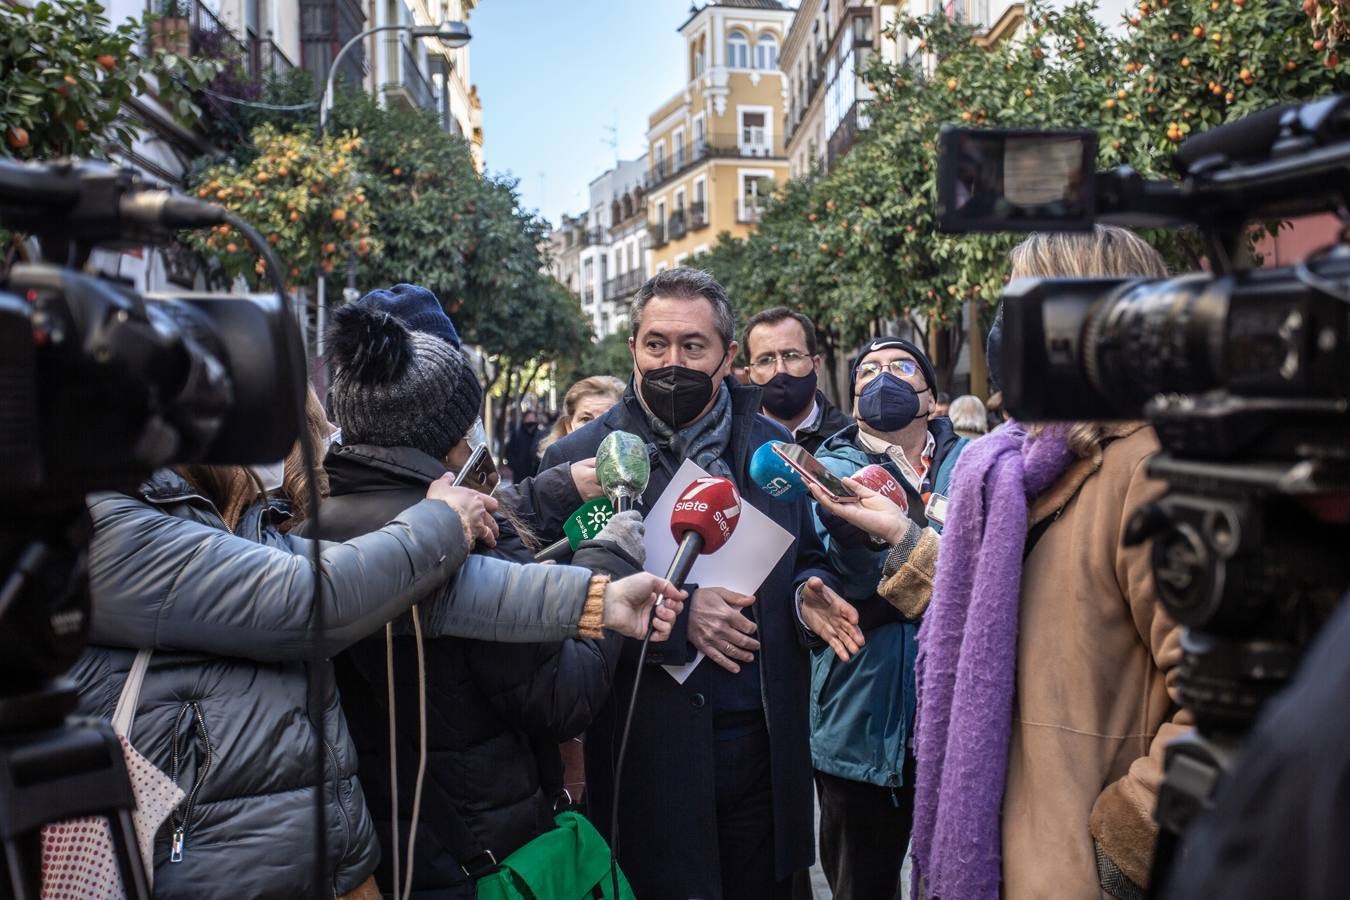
(678, 141)
(679, 201)
(755, 188)
(659, 159)
(700, 189)
(738, 51)
(766, 52)
(754, 131)
(700, 135)
(618, 261)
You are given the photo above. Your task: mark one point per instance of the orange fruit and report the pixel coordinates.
(17, 138)
(339, 215)
(1198, 31)
(107, 61)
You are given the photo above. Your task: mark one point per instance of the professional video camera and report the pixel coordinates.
(98, 388)
(1245, 374)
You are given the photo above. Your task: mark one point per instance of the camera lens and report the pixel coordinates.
(1153, 337)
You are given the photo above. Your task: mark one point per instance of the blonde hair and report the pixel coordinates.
(595, 386)
(294, 478)
(1106, 251)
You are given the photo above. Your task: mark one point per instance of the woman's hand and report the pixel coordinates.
(475, 509)
(583, 476)
(631, 601)
(874, 514)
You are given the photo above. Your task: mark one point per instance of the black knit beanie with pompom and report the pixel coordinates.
(392, 387)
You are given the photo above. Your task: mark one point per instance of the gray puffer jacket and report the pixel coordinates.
(223, 707)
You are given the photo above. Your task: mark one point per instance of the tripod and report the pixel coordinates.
(52, 770)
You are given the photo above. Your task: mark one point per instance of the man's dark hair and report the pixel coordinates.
(778, 314)
(687, 283)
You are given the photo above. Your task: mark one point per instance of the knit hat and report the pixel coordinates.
(884, 342)
(416, 307)
(392, 387)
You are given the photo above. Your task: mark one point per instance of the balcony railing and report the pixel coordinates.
(657, 232)
(406, 79)
(592, 237)
(846, 132)
(698, 215)
(749, 213)
(677, 228)
(712, 146)
(621, 288)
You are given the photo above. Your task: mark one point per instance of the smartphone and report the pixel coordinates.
(480, 472)
(814, 472)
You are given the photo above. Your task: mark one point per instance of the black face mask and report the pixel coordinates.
(676, 394)
(786, 396)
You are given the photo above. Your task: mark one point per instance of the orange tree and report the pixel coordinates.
(305, 196)
(1189, 65)
(65, 73)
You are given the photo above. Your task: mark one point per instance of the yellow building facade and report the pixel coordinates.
(715, 150)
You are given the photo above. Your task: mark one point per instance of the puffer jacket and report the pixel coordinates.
(862, 710)
(495, 712)
(230, 622)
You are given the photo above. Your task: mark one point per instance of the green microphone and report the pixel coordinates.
(622, 468)
(583, 525)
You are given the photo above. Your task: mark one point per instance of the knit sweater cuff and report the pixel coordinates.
(591, 623)
(901, 551)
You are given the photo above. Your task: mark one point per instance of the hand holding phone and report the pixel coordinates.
(480, 472)
(814, 472)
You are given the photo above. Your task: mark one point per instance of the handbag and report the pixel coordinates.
(79, 861)
(569, 862)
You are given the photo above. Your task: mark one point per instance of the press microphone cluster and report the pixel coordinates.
(623, 469)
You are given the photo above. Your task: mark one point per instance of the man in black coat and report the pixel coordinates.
(781, 347)
(735, 822)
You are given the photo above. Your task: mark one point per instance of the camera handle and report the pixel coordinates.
(1194, 767)
(54, 772)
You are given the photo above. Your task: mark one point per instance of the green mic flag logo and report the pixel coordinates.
(586, 522)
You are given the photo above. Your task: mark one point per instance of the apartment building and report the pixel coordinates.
(715, 149)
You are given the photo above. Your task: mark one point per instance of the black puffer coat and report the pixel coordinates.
(493, 710)
(230, 622)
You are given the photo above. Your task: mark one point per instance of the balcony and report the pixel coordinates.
(677, 228)
(846, 132)
(621, 288)
(749, 213)
(325, 25)
(713, 146)
(698, 215)
(406, 82)
(657, 232)
(593, 237)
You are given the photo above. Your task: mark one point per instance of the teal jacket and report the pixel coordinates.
(862, 710)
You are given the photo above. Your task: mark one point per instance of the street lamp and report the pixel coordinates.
(453, 34)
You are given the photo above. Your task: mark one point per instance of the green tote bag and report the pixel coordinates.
(571, 862)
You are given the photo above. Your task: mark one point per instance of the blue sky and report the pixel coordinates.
(554, 77)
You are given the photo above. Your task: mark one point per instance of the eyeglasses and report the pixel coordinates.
(794, 363)
(900, 368)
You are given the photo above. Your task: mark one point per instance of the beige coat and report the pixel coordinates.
(1096, 694)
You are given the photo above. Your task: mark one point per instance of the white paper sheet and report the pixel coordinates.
(741, 565)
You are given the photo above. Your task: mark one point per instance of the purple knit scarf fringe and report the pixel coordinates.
(966, 667)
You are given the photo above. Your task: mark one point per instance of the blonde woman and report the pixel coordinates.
(588, 399)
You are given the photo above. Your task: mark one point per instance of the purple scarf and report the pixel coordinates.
(967, 662)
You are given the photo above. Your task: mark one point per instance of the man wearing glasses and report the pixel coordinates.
(781, 347)
(862, 711)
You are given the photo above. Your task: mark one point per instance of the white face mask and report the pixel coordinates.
(270, 475)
